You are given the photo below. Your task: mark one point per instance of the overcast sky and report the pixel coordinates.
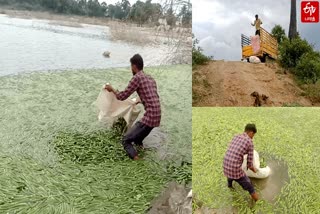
(218, 24)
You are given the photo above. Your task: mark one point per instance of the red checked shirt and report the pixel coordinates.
(146, 88)
(240, 145)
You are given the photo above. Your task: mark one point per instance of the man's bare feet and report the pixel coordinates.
(255, 196)
(136, 158)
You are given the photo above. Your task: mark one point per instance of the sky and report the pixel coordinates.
(218, 24)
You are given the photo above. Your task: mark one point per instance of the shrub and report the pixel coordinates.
(313, 92)
(308, 67)
(279, 33)
(290, 105)
(198, 58)
(290, 52)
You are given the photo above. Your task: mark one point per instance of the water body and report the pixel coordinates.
(270, 187)
(28, 45)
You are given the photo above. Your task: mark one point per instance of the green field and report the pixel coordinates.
(57, 158)
(290, 135)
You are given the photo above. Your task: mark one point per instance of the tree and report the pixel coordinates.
(125, 6)
(198, 58)
(156, 12)
(170, 17)
(142, 12)
(293, 21)
(279, 33)
(290, 52)
(94, 8)
(185, 15)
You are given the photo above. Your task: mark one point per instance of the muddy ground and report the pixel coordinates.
(221, 83)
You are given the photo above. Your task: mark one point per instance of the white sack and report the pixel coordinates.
(254, 59)
(261, 172)
(111, 108)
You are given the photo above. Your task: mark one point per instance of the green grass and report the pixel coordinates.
(292, 105)
(57, 158)
(289, 134)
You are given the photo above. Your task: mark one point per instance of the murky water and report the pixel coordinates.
(38, 45)
(270, 187)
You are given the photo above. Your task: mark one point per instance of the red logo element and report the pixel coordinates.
(310, 11)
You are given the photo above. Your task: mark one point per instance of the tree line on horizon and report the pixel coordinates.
(139, 12)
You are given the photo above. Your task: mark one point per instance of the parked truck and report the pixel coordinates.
(268, 46)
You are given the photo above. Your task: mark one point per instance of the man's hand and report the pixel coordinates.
(138, 100)
(253, 169)
(109, 88)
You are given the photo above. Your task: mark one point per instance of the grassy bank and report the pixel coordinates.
(56, 157)
(287, 134)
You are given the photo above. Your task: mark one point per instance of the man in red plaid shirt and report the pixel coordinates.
(146, 88)
(240, 145)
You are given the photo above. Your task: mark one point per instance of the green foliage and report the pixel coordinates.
(171, 19)
(186, 15)
(292, 105)
(313, 91)
(140, 12)
(290, 52)
(308, 67)
(263, 163)
(301, 59)
(279, 33)
(198, 58)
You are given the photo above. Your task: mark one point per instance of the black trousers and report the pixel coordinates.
(244, 182)
(258, 32)
(135, 135)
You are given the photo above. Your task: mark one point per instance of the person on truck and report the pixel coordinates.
(257, 24)
(240, 145)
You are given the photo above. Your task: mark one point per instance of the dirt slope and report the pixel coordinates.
(221, 83)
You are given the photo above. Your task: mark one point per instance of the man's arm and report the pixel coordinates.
(132, 87)
(254, 23)
(250, 157)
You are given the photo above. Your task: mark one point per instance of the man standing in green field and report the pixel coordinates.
(240, 145)
(257, 24)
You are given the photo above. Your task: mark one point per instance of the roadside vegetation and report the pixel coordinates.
(301, 59)
(198, 58)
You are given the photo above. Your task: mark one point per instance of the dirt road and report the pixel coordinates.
(221, 83)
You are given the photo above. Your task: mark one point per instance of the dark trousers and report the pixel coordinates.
(135, 135)
(244, 182)
(258, 32)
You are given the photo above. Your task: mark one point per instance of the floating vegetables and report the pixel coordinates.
(288, 134)
(55, 157)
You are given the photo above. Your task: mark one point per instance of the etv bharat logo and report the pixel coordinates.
(310, 11)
